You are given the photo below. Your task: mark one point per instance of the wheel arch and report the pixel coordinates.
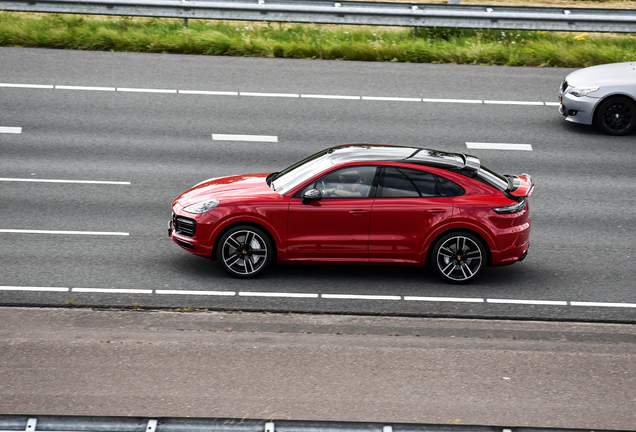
(606, 97)
(483, 241)
(219, 234)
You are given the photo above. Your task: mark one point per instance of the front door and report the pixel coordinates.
(335, 228)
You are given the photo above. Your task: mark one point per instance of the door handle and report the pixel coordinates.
(437, 211)
(358, 212)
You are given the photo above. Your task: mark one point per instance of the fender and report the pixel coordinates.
(239, 218)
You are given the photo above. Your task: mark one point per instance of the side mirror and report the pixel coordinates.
(312, 195)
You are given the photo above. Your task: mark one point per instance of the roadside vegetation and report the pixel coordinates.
(308, 41)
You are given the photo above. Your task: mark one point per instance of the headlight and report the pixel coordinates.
(202, 207)
(583, 91)
(515, 208)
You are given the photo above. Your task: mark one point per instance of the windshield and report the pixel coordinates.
(301, 171)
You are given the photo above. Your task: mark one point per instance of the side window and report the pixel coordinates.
(348, 182)
(425, 182)
(396, 185)
(451, 189)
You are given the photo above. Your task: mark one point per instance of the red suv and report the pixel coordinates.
(361, 204)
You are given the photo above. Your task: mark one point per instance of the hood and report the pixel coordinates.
(604, 75)
(240, 186)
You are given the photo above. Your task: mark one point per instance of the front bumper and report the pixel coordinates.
(577, 109)
(188, 234)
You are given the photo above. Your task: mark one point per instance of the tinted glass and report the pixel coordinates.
(424, 182)
(451, 189)
(396, 185)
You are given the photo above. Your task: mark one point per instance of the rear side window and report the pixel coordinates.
(451, 189)
(408, 183)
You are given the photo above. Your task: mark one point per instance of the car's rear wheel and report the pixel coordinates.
(616, 115)
(459, 257)
(245, 251)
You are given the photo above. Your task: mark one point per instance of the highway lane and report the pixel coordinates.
(582, 242)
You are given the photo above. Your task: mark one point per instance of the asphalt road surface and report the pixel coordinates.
(126, 133)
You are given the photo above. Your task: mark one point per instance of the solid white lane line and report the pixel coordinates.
(11, 130)
(528, 302)
(205, 293)
(33, 86)
(112, 290)
(444, 299)
(283, 95)
(208, 92)
(467, 101)
(391, 99)
(64, 181)
(552, 104)
(49, 289)
(499, 146)
(272, 294)
(317, 96)
(360, 297)
(62, 87)
(617, 305)
(257, 138)
(140, 90)
(495, 102)
(99, 233)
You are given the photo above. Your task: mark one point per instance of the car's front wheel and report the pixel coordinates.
(459, 257)
(616, 115)
(245, 251)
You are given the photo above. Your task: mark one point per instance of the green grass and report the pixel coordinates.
(308, 41)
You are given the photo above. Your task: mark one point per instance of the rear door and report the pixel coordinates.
(409, 205)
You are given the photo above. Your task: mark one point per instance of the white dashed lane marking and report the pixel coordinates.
(281, 95)
(95, 233)
(499, 146)
(61, 87)
(29, 180)
(255, 294)
(10, 130)
(255, 138)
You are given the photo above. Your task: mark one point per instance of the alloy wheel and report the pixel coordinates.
(244, 253)
(459, 258)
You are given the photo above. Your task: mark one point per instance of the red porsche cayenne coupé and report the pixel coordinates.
(361, 203)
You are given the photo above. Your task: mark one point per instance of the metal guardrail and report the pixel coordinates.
(16, 423)
(349, 13)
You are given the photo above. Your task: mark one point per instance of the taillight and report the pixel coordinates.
(514, 208)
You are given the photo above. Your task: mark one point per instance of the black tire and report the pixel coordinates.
(616, 115)
(245, 251)
(459, 257)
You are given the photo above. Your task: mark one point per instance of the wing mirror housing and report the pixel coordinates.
(312, 195)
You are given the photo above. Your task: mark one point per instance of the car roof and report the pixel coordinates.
(406, 154)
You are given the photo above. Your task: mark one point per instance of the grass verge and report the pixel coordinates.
(307, 41)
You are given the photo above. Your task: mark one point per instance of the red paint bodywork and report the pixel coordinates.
(356, 230)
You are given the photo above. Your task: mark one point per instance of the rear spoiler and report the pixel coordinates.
(520, 186)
